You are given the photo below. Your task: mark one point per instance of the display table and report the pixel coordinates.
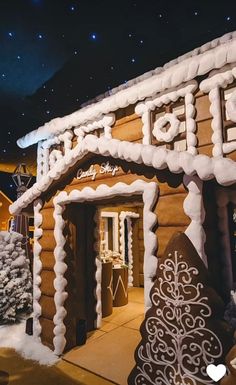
(120, 286)
(106, 291)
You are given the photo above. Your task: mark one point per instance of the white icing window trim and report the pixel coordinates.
(216, 80)
(128, 215)
(149, 192)
(186, 91)
(115, 229)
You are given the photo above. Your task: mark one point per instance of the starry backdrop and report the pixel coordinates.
(58, 54)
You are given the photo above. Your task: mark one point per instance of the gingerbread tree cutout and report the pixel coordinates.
(183, 332)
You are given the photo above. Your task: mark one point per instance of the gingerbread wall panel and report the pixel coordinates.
(47, 241)
(170, 211)
(48, 260)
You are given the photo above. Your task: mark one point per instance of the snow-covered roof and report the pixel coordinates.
(212, 55)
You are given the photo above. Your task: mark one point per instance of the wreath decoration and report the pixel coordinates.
(173, 130)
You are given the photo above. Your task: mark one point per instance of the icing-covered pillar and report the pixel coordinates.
(144, 111)
(42, 160)
(194, 209)
(38, 232)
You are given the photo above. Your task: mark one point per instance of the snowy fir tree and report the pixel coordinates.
(15, 278)
(183, 332)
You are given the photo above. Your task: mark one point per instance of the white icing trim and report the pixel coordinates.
(54, 157)
(149, 192)
(144, 109)
(194, 209)
(128, 215)
(224, 170)
(190, 111)
(212, 85)
(38, 232)
(181, 72)
(216, 124)
(230, 106)
(223, 198)
(106, 122)
(171, 132)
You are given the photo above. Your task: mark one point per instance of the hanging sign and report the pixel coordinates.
(105, 168)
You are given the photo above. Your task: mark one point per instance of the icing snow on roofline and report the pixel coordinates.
(223, 169)
(200, 61)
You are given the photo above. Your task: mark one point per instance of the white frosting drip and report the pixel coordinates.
(194, 209)
(38, 232)
(128, 215)
(149, 191)
(224, 170)
(181, 71)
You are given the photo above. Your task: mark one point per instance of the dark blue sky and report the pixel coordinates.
(57, 54)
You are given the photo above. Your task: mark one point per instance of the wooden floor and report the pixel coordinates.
(109, 351)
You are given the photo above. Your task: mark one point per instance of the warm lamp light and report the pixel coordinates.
(21, 177)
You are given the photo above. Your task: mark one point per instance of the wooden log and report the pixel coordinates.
(170, 212)
(48, 220)
(202, 106)
(47, 334)
(130, 130)
(48, 306)
(48, 260)
(204, 132)
(164, 234)
(46, 286)
(206, 150)
(47, 241)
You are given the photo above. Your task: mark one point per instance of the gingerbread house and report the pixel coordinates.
(122, 175)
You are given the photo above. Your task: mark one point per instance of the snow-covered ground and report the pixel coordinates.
(14, 336)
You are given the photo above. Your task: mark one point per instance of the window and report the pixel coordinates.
(229, 127)
(109, 232)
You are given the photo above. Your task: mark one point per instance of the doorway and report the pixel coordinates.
(67, 231)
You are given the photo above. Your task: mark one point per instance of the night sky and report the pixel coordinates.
(57, 54)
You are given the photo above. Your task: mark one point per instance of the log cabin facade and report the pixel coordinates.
(162, 147)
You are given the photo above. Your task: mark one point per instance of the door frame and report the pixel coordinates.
(149, 192)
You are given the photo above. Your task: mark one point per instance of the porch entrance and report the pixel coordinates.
(114, 230)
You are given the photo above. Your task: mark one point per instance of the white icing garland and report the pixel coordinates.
(149, 192)
(106, 122)
(181, 72)
(54, 156)
(38, 232)
(128, 215)
(224, 170)
(194, 209)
